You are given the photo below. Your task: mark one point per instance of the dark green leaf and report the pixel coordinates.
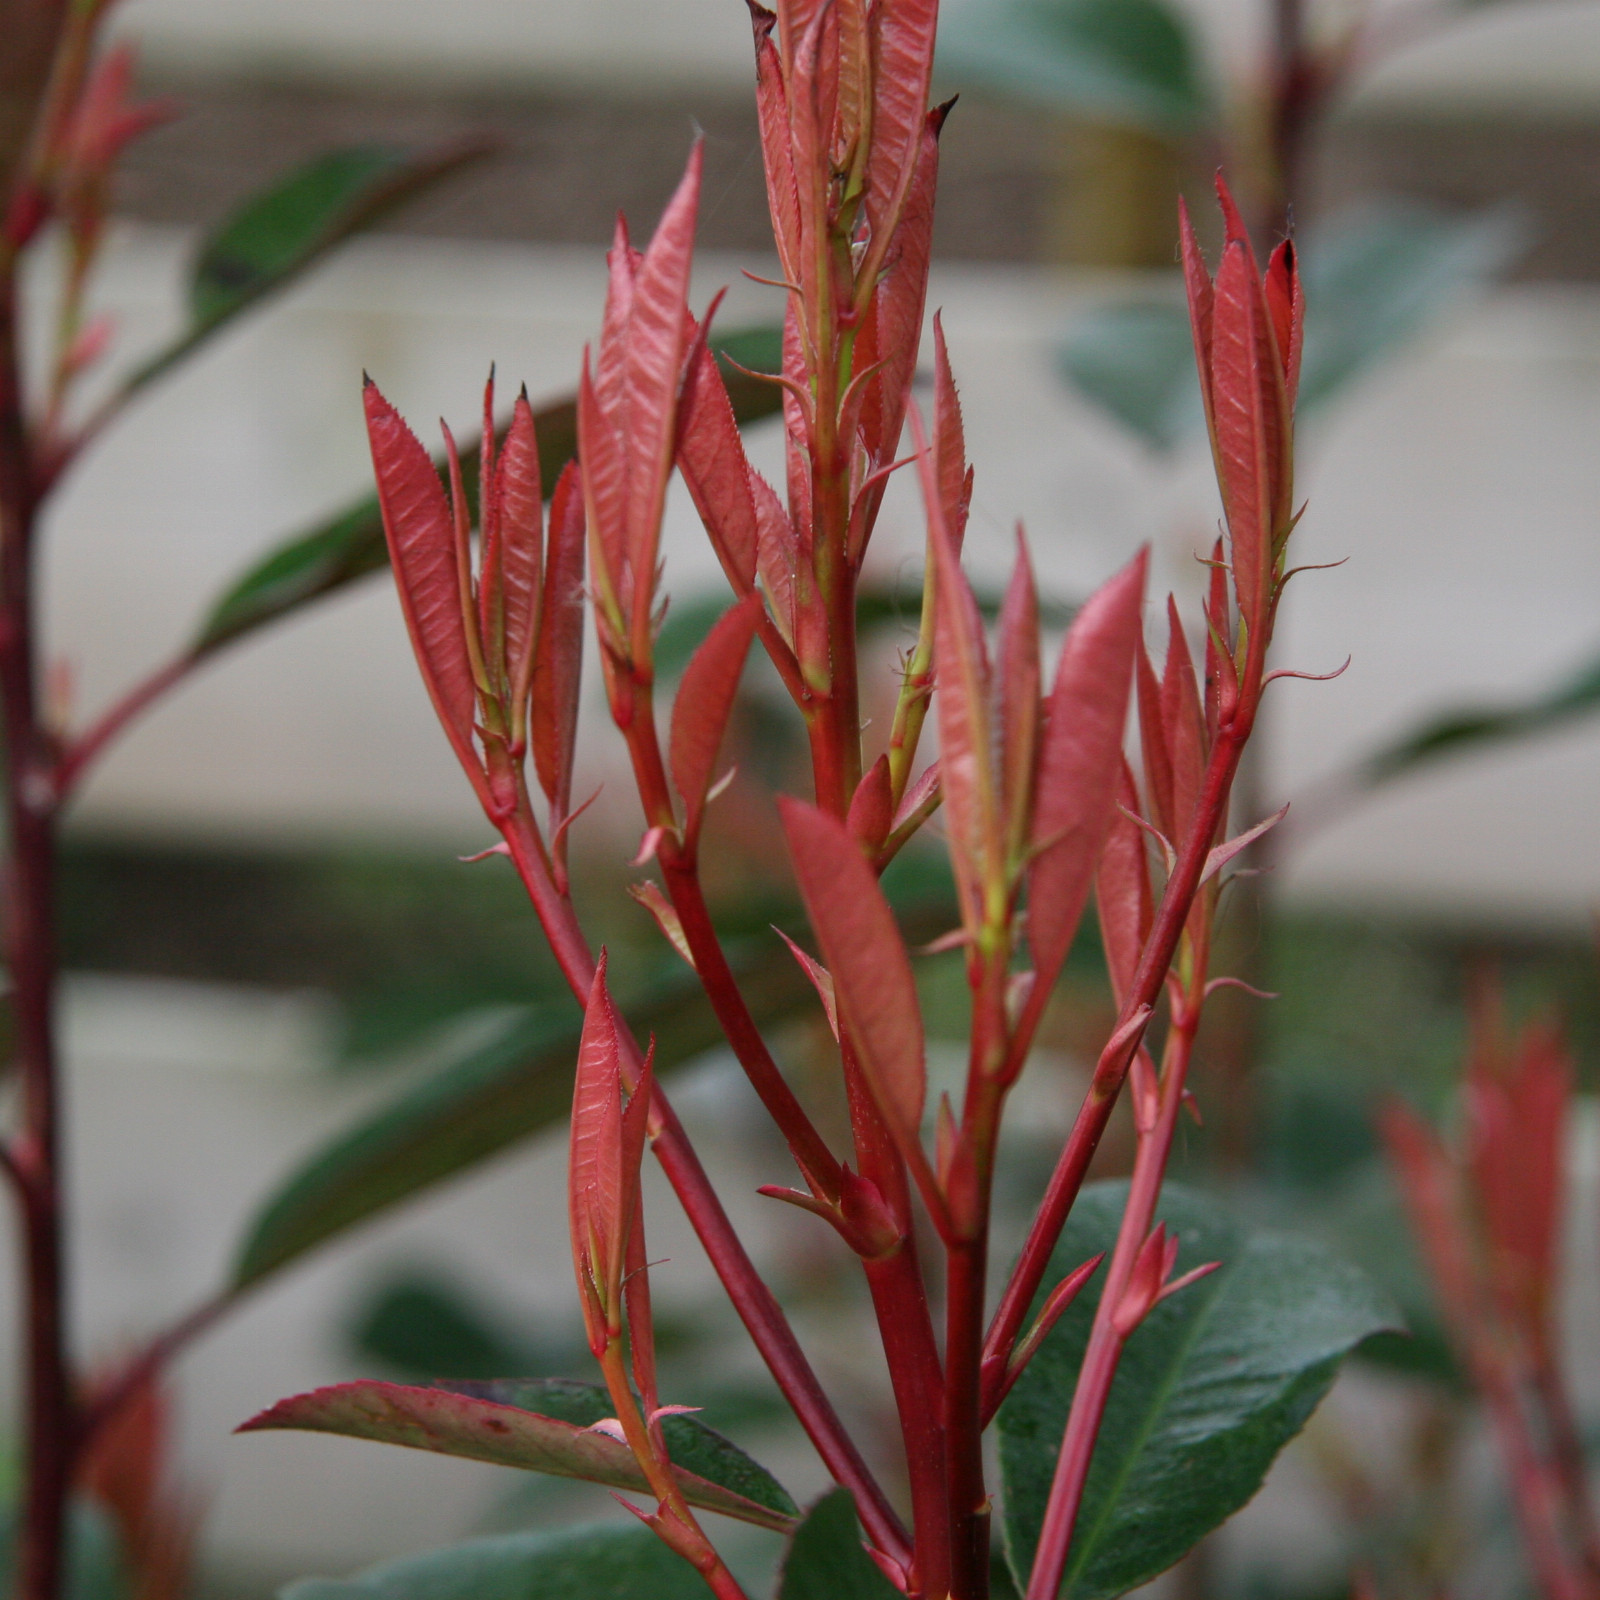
(453, 1423)
(275, 235)
(1455, 732)
(1211, 1386)
(501, 1093)
(1132, 61)
(1374, 279)
(350, 545)
(598, 1562)
(826, 1559)
(690, 1443)
(421, 1325)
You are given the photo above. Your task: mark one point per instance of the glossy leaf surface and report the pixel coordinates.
(826, 1560)
(1211, 1386)
(484, 1428)
(602, 1561)
(690, 1443)
(276, 234)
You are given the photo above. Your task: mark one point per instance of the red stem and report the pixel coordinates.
(750, 1296)
(35, 1155)
(83, 751)
(1095, 1113)
(1105, 1342)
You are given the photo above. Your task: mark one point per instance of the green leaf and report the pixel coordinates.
(1210, 1388)
(350, 545)
(1375, 278)
(1131, 61)
(453, 1422)
(826, 1558)
(1455, 732)
(503, 1091)
(275, 235)
(692, 1446)
(596, 1562)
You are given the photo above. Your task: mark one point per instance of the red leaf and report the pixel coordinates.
(655, 348)
(601, 454)
(776, 554)
(821, 981)
(772, 110)
(962, 698)
(622, 262)
(599, 1182)
(1080, 758)
(1287, 308)
(1202, 301)
(1019, 700)
(420, 528)
(1153, 752)
(712, 460)
(520, 532)
(704, 701)
(902, 36)
(872, 805)
(1122, 891)
(558, 660)
(861, 947)
(1183, 724)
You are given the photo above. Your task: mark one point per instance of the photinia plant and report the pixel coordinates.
(1041, 809)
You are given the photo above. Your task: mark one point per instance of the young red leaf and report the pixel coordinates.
(656, 342)
(1019, 701)
(599, 1197)
(420, 527)
(872, 805)
(491, 599)
(966, 744)
(603, 458)
(1183, 725)
(1202, 301)
(558, 658)
(712, 461)
(1122, 890)
(861, 947)
(949, 441)
(776, 554)
(821, 981)
(622, 266)
(902, 39)
(1286, 306)
(520, 536)
(772, 111)
(1153, 753)
(704, 701)
(1229, 848)
(1080, 759)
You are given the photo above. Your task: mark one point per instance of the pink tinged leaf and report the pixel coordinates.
(604, 480)
(457, 1424)
(1202, 300)
(1226, 851)
(419, 526)
(772, 112)
(1427, 1184)
(1060, 1298)
(821, 981)
(622, 262)
(1183, 723)
(656, 343)
(1080, 760)
(703, 704)
(1122, 892)
(521, 537)
(1153, 752)
(558, 657)
(1151, 1269)
(923, 792)
(775, 554)
(902, 38)
(861, 946)
(491, 608)
(949, 441)
(962, 698)
(649, 895)
(1286, 307)
(610, 1427)
(712, 460)
(597, 1201)
(1019, 700)
(872, 805)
